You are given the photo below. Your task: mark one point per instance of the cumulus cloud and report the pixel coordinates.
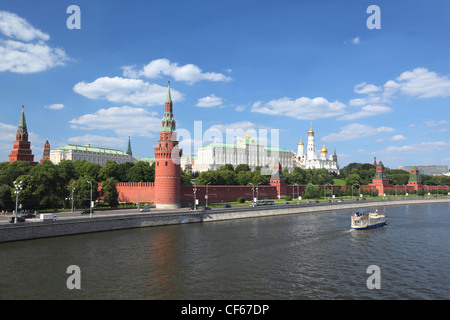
(26, 50)
(356, 131)
(123, 90)
(188, 73)
(398, 137)
(55, 106)
(124, 121)
(420, 148)
(302, 108)
(96, 140)
(209, 101)
(366, 88)
(367, 111)
(423, 83)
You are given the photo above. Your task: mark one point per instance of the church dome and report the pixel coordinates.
(300, 143)
(311, 132)
(323, 150)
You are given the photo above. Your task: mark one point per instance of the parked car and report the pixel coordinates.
(144, 209)
(19, 219)
(29, 216)
(227, 205)
(206, 208)
(87, 211)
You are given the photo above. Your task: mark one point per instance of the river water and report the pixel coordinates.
(305, 256)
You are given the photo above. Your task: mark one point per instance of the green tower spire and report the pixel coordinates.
(22, 123)
(129, 152)
(168, 98)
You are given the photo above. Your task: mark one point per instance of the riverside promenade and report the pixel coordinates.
(101, 221)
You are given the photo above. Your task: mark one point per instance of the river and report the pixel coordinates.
(304, 256)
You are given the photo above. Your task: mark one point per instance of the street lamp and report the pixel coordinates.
(253, 192)
(90, 203)
(355, 184)
(18, 186)
(195, 197)
(206, 196)
(73, 189)
(257, 186)
(139, 194)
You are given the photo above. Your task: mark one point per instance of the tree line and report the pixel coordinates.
(47, 185)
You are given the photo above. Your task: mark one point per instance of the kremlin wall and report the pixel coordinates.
(168, 193)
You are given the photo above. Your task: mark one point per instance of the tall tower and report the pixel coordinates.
(21, 147)
(277, 180)
(311, 152)
(129, 152)
(46, 155)
(167, 159)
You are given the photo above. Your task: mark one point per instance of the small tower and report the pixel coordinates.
(21, 147)
(323, 153)
(167, 161)
(277, 180)
(414, 180)
(380, 180)
(46, 155)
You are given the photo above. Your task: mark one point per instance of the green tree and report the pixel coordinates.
(312, 191)
(26, 195)
(82, 194)
(110, 193)
(141, 171)
(242, 167)
(6, 202)
(109, 170)
(45, 184)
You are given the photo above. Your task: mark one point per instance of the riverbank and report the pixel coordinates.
(78, 225)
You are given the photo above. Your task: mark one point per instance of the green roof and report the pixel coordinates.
(88, 148)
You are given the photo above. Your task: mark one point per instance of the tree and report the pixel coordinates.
(141, 171)
(26, 195)
(45, 184)
(109, 170)
(243, 167)
(83, 191)
(352, 179)
(6, 202)
(110, 193)
(312, 191)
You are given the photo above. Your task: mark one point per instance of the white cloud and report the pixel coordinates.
(355, 131)
(433, 123)
(124, 121)
(55, 106)
(367, 111)
(302, 108)
(209, 101)
(123, 90)
(363, 88)
(356, 40)
(419, 148)
(13, 26)
(96, 140)
(423, 83)
(18, 54)
(398, 137)
(188, 73)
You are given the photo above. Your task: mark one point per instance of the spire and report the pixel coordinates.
(22, 123)
(129, 152)
(169, 98)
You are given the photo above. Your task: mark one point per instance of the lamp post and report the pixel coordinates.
(18, 186)
(73, 189)
(257, 192)
(90, 203)
(139, 194)
(253, 192)
(355, 184)
(329, 184)
(195, 197)
(298, 193)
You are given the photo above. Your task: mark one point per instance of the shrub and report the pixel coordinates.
(241, 199)
(288, 198)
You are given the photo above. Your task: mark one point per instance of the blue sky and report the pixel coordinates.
(243, 65)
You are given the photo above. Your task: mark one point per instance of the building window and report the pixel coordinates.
(166, 163)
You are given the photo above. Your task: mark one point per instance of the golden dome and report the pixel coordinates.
(311, 132)
(247, 137)
(300, 143)
(323, 150)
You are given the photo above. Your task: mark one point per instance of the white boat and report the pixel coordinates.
(364, 219)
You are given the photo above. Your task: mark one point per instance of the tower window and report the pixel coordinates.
(166, 163)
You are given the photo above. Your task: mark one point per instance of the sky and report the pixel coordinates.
(372, 82)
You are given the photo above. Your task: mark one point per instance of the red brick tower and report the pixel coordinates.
(46, 155)
(380, 181)
(414, 180)
(21, 147)
(277, 180)
(167, 162)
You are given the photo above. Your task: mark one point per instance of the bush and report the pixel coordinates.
(241, 199)
(288, 198)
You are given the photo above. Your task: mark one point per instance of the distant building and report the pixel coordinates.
(431, 170)
(308, 159)
(246, 151)
(21, 147)
(92, 154)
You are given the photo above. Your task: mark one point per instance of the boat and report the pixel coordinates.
(364, 219)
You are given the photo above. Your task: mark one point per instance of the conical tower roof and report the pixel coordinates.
(22, 123)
